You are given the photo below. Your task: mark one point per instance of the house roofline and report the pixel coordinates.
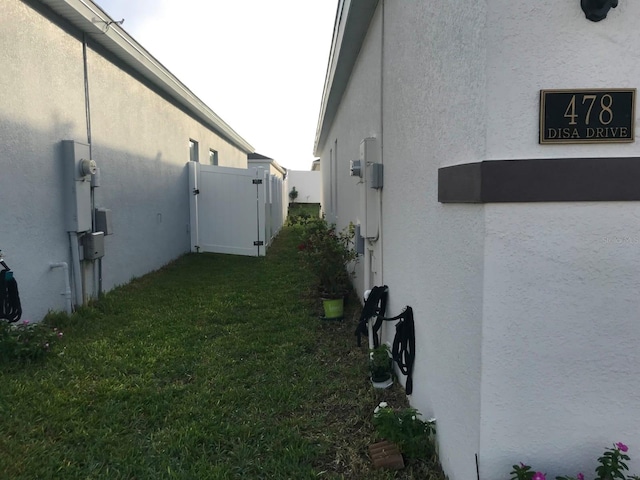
(90, 19)
(350, 28)
(271, 161)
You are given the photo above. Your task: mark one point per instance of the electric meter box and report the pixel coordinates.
(93, 245)
(103, 221)
(77, 169)
(355, 168)
(376, 172)
(359, 240)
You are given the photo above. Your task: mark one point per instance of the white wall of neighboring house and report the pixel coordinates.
(139, 137)
(525, 312)
(307, 184)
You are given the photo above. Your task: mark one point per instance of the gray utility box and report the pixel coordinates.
(103, 221)
(377, 175)
(77, 185)
(93, 245)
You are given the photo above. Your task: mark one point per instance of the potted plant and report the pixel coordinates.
(403, 428)
(381, 366)
(330, 255)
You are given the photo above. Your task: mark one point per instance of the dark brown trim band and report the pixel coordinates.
(541, 180)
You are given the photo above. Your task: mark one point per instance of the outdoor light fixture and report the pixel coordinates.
(597, 10)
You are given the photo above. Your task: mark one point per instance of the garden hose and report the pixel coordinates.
(10, 308)
(404, 345)
(374, 306)
(404, 342)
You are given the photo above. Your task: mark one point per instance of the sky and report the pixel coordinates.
(260, 65)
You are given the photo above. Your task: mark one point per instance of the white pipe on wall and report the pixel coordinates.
(75, 263)
(67, 284)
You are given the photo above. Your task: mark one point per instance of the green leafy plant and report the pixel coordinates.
(26, 341)
(330, 255)
(293, 194)
(413, 436)
(380, 363)
(612, 466)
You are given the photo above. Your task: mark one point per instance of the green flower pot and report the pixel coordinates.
(333, 308)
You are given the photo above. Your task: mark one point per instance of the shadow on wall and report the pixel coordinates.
(147, 194)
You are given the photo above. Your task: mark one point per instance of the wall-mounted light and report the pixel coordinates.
(596, 10)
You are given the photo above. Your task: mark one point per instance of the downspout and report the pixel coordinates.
(75, 262)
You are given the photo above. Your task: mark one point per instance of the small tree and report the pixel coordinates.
(293, 194)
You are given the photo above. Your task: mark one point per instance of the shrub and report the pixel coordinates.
(26, 341)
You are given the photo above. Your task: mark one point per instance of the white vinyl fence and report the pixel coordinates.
(234, 211)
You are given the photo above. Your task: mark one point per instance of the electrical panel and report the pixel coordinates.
(370, 196)
(359, 240)
(103, 221)
(93, 244)
(376, 171)
(356, 168)
(77, 171)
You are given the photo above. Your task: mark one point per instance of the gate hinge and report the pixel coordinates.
(258, 243)
(196, 191)
(257, 181)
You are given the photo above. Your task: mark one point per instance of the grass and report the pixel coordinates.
(214, 367)
(297, 209)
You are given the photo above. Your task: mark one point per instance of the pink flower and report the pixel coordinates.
(25, 322)
(60, 334)
(622, 447)
(538, 476)
(580, 476)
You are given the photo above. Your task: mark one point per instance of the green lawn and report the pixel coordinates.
(214, 367)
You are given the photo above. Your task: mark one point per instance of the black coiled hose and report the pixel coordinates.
(404, 345)
(10, 308)
(404, 342)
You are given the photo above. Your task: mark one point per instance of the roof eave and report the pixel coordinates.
(350, 29)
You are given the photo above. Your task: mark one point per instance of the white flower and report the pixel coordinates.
(380, 406)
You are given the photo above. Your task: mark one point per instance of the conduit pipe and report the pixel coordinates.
(67, 284)
(75, 262)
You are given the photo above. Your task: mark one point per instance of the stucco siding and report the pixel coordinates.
(550, 45)
(39, 108)
(560, 281)
(358, 118)
(560, 330)
(434, 79)
(139, 142)
(308, 184)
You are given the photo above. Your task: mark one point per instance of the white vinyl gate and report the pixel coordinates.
(227, 209)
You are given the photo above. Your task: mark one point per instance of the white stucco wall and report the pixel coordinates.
(39, 108)
(307, 183)
(560, 332)
(560, 280)
(140, 143)
(432, 258)
(434, 78)
(358, 118)
(524, 313)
